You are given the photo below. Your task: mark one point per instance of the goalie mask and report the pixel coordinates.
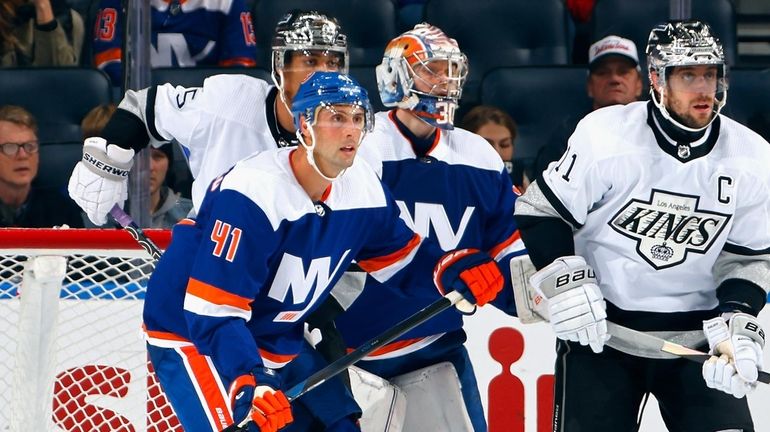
(423, 70)
(685, 43)
(326, 91)
(306, 32)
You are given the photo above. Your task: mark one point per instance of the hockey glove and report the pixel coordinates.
(576, 306)
(472, 273)
(255, 395)
(736, 349)
(100, 179)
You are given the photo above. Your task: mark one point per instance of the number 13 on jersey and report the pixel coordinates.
(224, 236)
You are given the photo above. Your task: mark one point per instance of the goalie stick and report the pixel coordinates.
(373, 344)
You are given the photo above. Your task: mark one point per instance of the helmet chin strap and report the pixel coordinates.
(309, 152)
(280, 88)
(662, 108)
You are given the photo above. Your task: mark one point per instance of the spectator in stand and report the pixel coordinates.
(184, 34)
(21, 203)
(497, 127)
(166, 206)
(614, 77)
(39, 33)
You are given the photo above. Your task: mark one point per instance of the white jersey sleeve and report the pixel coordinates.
(217, 124)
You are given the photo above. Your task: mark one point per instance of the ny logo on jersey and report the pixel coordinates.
(291, 276)
(668, 226)
(428, 215)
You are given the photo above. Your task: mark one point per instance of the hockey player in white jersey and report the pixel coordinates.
(452, 187)
(656, 218)
(228, 118)
(226, 304)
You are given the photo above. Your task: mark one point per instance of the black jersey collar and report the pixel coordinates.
(282, 137)
(683, 151)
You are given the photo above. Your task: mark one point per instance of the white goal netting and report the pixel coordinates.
(72, 354)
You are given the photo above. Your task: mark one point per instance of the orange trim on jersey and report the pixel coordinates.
(389, 348)
(392, 117)
(379, 263)
(186, 221)
(496, 250)
(155, 334)
(203, 375)
(218, 296)
(326, 193)
(238, 61)
(110, 55)
(276, 358)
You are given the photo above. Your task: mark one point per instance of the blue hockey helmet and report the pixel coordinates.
(322, 89)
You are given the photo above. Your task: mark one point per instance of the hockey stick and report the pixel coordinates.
(122, 218)
(339, 365)
(637, 343)
(373, 344)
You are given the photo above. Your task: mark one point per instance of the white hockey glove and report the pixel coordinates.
(736, 349)
(576, 307)
(100, 179)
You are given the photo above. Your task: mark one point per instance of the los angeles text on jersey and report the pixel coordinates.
(668, 226)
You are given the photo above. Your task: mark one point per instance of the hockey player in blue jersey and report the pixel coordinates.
(216, 125)
(450, 186)
(225, 306)
(184, 34)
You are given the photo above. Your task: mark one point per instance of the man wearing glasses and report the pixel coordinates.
(22, 204)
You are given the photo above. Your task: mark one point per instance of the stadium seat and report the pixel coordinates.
(497, 33)
(635, 19)
(369, 25)
(748, 94)
(194, 77)
(537, 98)
(59, 98)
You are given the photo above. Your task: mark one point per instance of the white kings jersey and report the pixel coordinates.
(663, 224)
(229, 118)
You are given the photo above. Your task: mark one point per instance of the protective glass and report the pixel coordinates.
(12, 149)
(342, 116)
(325, 60)
(689, 80)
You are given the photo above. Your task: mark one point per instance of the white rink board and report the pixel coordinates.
(539, 356)
(126, 351)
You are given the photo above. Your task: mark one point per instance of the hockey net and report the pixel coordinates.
(72, 354)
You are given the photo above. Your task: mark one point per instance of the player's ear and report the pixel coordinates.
(654, 81)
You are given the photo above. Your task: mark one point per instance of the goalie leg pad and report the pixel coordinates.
(436, 390)
(530, 306)
(383, 404)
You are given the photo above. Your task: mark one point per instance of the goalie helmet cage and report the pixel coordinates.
(72, 351)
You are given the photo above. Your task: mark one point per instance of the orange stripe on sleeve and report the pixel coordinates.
(374, 264)
(238, 61)
(277, 358)
(112, 54)
(507, 242)
(217, 296)
(165, 336)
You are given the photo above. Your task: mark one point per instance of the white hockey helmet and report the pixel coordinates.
(685, 43)
(306, 31)
(414, 59)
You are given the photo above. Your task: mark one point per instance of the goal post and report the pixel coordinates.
(72, 352)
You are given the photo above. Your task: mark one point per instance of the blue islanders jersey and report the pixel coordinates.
(238, 281)
(460, 195)
(184, 33)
